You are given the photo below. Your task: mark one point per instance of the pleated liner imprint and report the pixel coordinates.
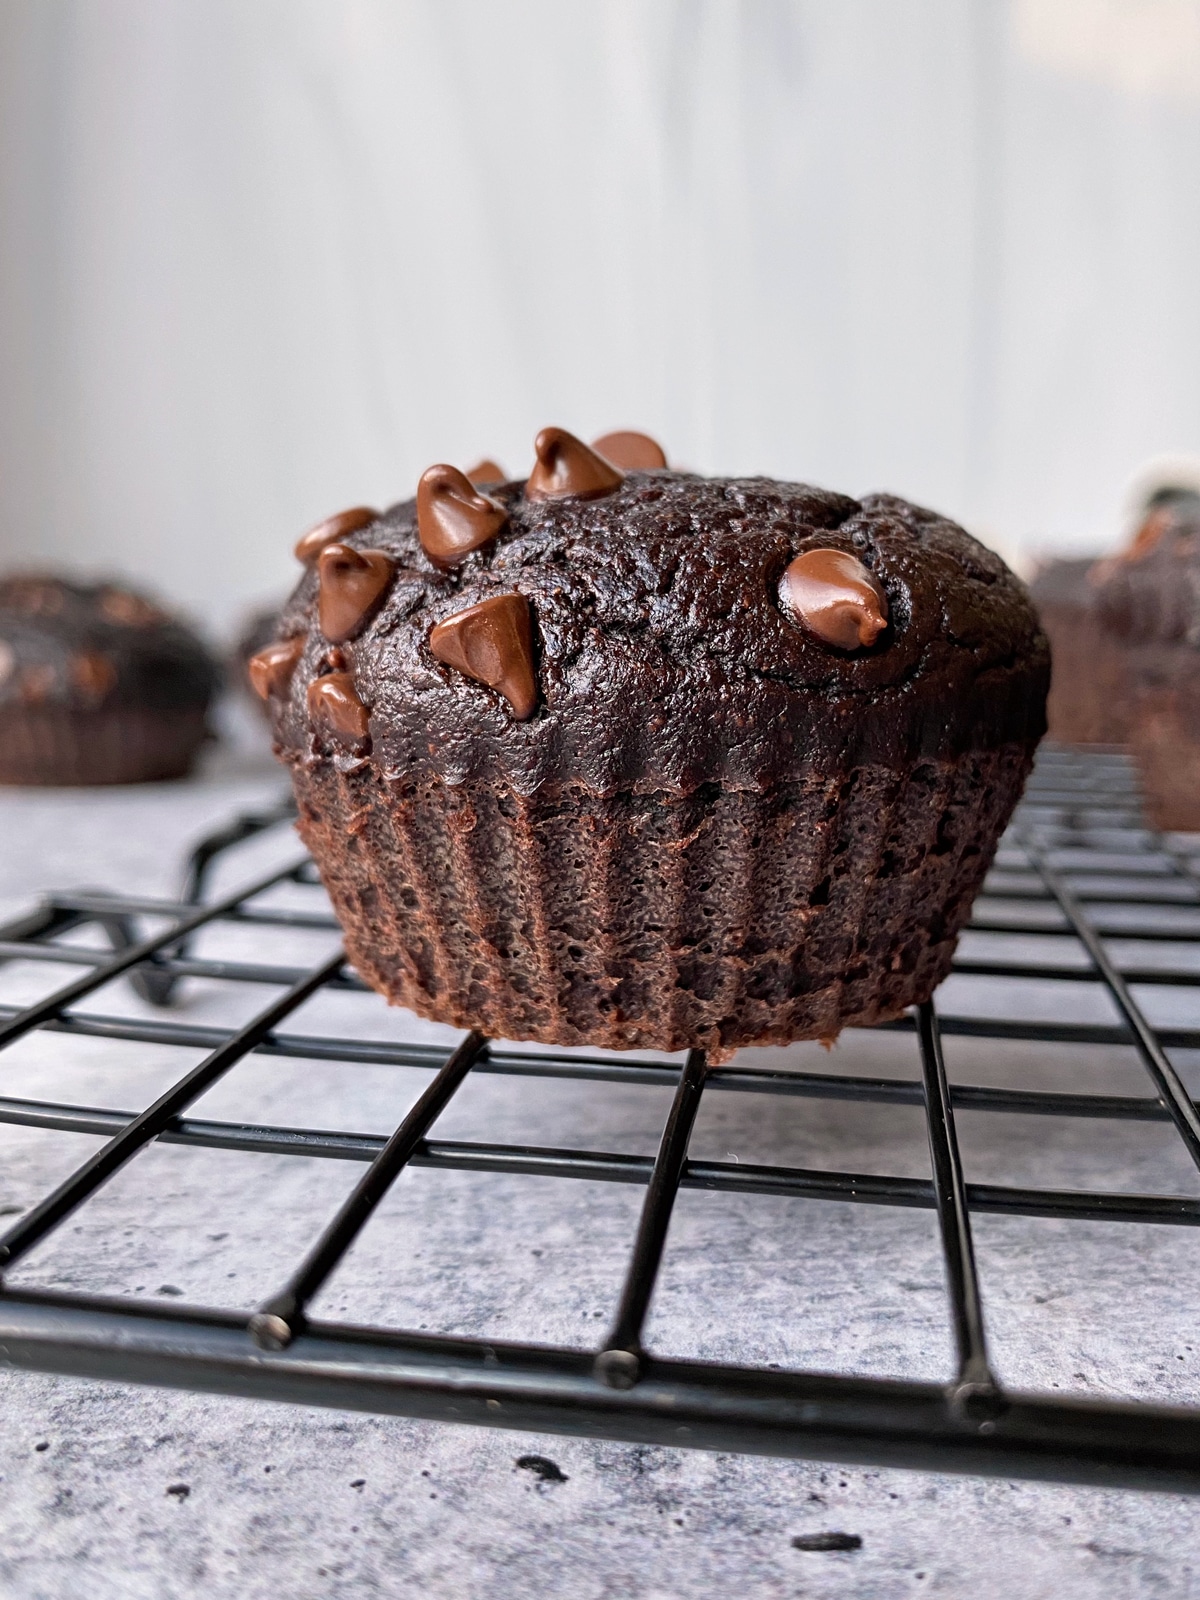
(60, 746)
(720, 918)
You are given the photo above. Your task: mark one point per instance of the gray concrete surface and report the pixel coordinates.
(109, 1492)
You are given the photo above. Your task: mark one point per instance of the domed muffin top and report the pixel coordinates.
(93, 646)
(648, 629)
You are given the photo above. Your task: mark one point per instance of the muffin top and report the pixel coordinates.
(646, 629)
(88, 647)
(1150, 594)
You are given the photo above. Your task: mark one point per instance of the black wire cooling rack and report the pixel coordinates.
(1055, 871)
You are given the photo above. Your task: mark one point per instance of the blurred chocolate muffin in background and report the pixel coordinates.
(98, 685)
(1089, 694)
(1148, 603)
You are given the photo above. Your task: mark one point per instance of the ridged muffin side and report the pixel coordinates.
(716, 919)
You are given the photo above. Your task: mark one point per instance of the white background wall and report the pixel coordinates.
(263, 258)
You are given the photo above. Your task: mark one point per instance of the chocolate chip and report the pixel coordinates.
(346, 522)
(635, 452)
(93, 675)
(453, 518)
(333, 704)
(486, 471)
(566, 467)
(492, 642)
(836, 597)
(36, 597)
(353, 584)
(270, 671)
(37, 683)
(130, 610)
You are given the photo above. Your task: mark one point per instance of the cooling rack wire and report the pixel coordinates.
(1078, 863)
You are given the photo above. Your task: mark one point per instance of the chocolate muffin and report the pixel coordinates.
(97, 685)
(1089, 689)
(651, 760)
(1149, 601)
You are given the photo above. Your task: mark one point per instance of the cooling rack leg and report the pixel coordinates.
(619, 1364)
(160, 988)
(975, 1393)
(149, 981)
(51, 1007)
(250, 823)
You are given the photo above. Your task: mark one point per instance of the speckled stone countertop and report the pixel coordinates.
(119, 1493)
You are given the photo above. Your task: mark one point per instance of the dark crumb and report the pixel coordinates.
(42, 1444)
(179, 1490)
(546, 1470)
(827, 1541)
(168, 1288)
(357, 1483)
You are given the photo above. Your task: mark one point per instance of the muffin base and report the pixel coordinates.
(54, 746)
(716, 919)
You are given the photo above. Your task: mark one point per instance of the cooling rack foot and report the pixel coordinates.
(619, 1369)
